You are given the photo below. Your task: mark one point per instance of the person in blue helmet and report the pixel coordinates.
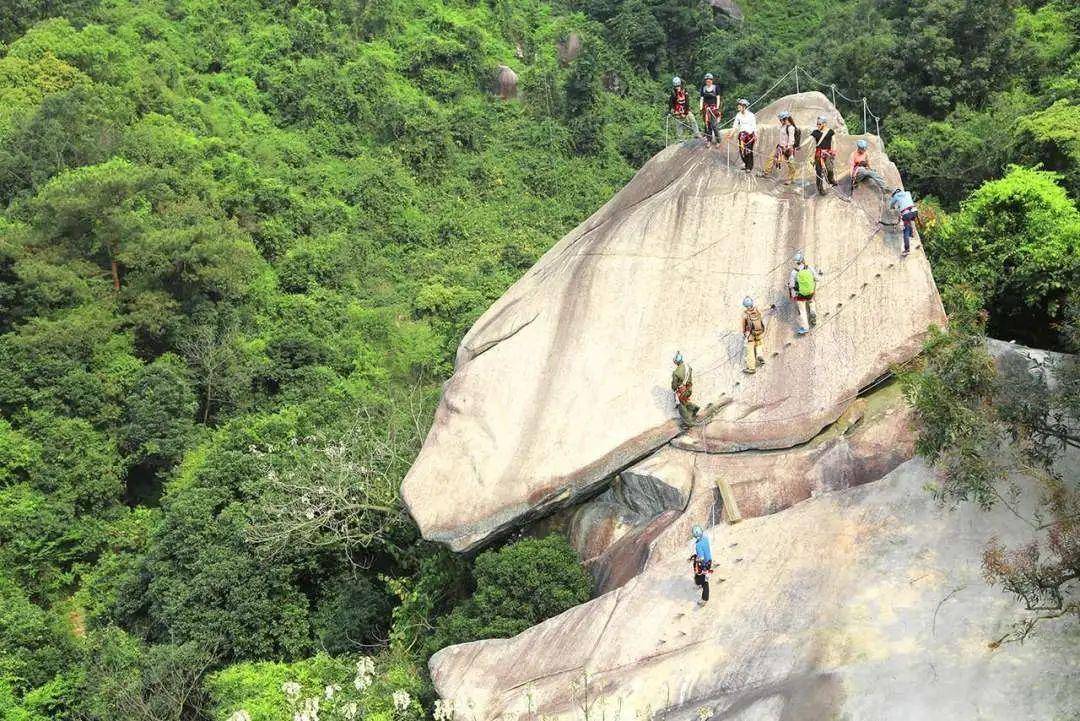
(702, 562)
(902, 202)
(682, 385)
(860, 167)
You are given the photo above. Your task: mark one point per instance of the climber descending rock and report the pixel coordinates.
(904, 205)
(824, 154)
(682, 385)
(679, 107)
(786, 147)
(710, 108)
(744, 128)
(701, 561)
(802, 284)
(753, 328)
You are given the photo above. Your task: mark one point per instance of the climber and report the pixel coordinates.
(904, 205)
(682, 385)
(745, 128)
(861, 170)
(785, 149)
(823, 154)
(679, 105)
(802, 283)
(702, 562)
(709, 105)
(754, 333)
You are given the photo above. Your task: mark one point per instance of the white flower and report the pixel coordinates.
(401, 699)
(350, 710)
(444, 711)
(291, 689)
(365, 672)
(240, 715)
(704, 713)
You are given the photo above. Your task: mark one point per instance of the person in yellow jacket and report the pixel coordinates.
(754, 333)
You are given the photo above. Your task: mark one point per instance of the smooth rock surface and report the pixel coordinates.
(564, 380)
(864, 604)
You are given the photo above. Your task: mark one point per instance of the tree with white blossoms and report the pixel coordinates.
(338, 493)
(444, 711)
(401, 700)
(240, 715)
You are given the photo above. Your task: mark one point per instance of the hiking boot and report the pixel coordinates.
(904, 253)
(749, 371)
(702, 602)
(761, 361)
(802, 331)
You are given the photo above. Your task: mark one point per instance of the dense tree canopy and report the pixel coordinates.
(240, 242)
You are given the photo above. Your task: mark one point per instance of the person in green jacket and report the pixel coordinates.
(682, 385)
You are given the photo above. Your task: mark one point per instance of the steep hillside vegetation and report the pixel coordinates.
(240, 241)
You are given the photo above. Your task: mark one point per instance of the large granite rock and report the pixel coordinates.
(564, 380)
(864, 604)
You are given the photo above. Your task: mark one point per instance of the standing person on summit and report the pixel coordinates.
(823, 154)
(682, 385)
(904, 205)
(861, 170)
(745, 128)
(710, 109)
(785, 148)
(802, 284)
(754, 333)
(679, 105)
(702, 562)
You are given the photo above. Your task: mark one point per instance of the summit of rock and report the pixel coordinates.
(564, 380)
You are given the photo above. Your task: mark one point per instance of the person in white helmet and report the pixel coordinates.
(679, 106)
(823, 153)
(860, 167)
(710, 109)
(802, 284)
(745, 128)
(682, 385)
(754, 333)
(785, 147)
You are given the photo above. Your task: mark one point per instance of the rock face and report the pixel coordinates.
(564, 380)
(726, 9)
(506, 83)
(863, 604)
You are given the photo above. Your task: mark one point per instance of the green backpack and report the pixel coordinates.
(804, 282)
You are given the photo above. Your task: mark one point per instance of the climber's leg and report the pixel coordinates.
(908, 218)
(804, 315)
(751, 355)
(790, 160)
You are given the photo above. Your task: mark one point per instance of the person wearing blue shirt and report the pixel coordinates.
(702, 561)
(904, 204)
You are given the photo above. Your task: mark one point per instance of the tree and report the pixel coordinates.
(1016, 242)
(517, 587)
(979, 424)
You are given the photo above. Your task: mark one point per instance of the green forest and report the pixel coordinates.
(240, 242)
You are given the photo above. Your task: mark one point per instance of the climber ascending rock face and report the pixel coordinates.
(560, 383)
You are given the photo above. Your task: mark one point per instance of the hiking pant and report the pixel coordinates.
(873, 176)
(754, 352)
(823, 169)
(687, 411)
(803, 304)
(712, 125)
(781, 157)
(908, 217)
(702, 580)
(746, 149)
(686, 122)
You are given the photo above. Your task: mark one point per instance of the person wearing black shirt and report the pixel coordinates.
(824, 154)
(710, 109)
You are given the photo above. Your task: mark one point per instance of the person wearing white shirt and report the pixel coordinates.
(745, 127)
(785, 148)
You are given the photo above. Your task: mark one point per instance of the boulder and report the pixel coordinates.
(564, 381)
(871, 438)
(860, 604)
(726, 9)
(506, 83)
(568, 48)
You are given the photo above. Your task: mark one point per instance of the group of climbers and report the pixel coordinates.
(710, 105)
(801, 287)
